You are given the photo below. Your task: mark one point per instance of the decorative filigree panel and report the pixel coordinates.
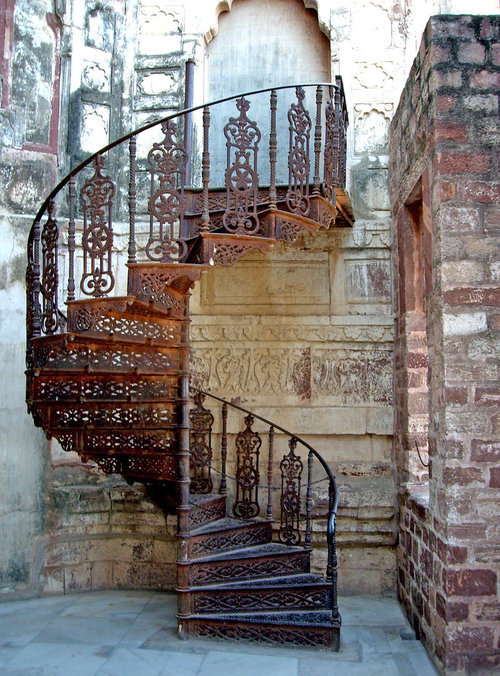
(97, 239)
(242, 569)
(200, 446)
(49, 283)
(118, 416)
(102, 389)
(241, 177)
(234, 539)
(93, 319)
(297, 198)
(291, 472)
(62, 357)
(266, 599)
(116, 442)
(248, 443)
(268, 633)
(207, 513)
(166, 206)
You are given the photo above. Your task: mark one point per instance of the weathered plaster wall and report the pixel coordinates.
(444, 138)
(121, 65)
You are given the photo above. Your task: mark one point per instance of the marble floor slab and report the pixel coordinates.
(128, 633)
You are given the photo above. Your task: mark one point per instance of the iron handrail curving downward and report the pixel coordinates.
(177, 214)
(200, 413)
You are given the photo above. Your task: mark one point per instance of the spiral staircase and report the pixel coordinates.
(109, 376)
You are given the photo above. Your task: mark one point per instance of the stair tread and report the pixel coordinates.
(321, 618)
(271, 548)
(299, 579)
(228, 523)
(195, 500)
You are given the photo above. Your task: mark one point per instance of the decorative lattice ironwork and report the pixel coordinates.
(299, 121)
(330, 148)
(166, 206)
(49, 284)
(241, 178)
(201, 446)
(248, 445)
(97, 239)
(291, 471)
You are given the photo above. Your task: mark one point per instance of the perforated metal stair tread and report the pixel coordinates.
(318, 618)
(270, 549)
(297, 580)
(228, 523)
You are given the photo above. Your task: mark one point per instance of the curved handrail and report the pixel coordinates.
(150, 125)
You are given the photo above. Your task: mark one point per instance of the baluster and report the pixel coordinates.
(317, 140)
(336, 137)
(329, 559)
(299, 125)
(329, 160)
(335, 607)
(291, 471)
(201, 422)
(132, 201)
(205, 171)
(269, 513)
(248, 443)
(50, 281)
(36, 308)
(223, 451)
(71, 241)
(307, 540)
(273, 151)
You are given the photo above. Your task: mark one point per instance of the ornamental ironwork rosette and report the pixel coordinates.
(166, 205)
(241, 177)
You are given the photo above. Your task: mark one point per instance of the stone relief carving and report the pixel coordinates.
(352, 376)
(153, 84)
(306, 334)
(253, 371)
(374, 75)
(96, 77)
(95, 127)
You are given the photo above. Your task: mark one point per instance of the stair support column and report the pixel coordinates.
(183, 462)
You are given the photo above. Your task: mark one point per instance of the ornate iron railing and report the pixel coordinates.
(77, 249)
(293, 508)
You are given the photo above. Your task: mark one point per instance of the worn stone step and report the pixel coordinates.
(260, 561)
(311, 629)
(291, 592)
(228, 534)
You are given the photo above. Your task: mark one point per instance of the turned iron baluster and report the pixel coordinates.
(71, 241)
(307, 539)
(205, 171)
(331, 145)
(132, 200)
(223, 451)
(269, 512)
(248, 444)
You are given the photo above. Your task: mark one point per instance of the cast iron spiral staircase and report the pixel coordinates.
(109, 376)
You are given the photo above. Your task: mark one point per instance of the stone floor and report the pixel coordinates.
(125, 633)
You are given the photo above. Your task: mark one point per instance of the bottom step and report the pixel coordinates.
(311, 629)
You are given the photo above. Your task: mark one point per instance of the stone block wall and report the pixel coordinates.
(445, 190)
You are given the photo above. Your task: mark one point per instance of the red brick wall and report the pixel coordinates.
(444, 155)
